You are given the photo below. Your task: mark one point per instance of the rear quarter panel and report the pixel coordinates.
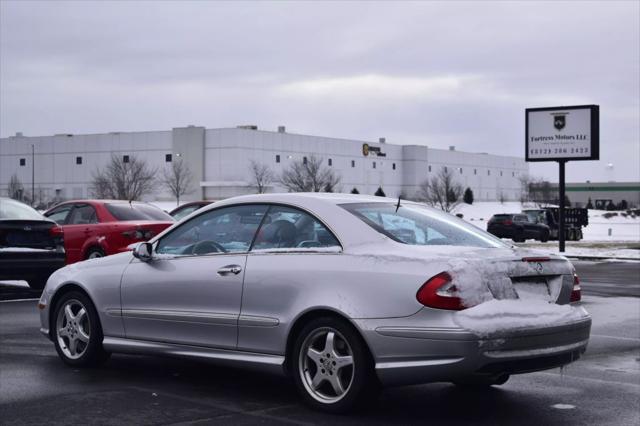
(284, 286)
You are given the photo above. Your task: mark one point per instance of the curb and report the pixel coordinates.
(581, 257)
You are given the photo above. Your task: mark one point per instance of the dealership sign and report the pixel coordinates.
(372, 150)
(562, 133)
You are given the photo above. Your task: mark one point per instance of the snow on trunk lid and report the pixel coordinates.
(478, 281)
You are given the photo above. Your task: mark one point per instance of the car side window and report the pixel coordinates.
(83, 214)
(290, 228)
(59, 214)
(224, 230)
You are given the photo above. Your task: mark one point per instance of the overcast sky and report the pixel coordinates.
(429, 73)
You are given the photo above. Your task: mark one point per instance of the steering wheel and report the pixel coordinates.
(204, 247)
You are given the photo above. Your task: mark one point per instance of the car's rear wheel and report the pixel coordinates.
(77, 332)
(94, 253)
(331, 366)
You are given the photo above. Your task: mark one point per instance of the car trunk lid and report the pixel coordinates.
(29, 234)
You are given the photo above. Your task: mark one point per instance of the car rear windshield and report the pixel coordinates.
(10, 209)
(501, 216)
(137, 211)
(416, 224)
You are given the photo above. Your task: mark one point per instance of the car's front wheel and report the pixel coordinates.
(331, 367)
(77, 332)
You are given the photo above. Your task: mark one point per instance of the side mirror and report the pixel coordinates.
(143, 251)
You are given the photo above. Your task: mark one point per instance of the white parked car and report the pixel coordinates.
(342, 292)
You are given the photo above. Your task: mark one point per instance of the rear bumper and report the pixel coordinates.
(409, 355)
(30, 265)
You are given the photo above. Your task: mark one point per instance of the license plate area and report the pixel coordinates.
(532, 288)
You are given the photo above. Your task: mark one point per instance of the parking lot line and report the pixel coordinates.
(633, 339)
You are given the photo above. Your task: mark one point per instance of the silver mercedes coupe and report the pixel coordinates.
(343, 293)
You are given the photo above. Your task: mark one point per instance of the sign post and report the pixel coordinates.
(566, 133)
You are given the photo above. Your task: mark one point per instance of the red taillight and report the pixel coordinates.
(507, 222)
(56, 231)
(536, 259)
(439, 292)
(576, 293)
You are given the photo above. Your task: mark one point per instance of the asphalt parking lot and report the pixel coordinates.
(602, 388)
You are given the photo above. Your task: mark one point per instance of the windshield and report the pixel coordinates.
(419, 225)
(137, 211)
(10, 209)
(185, 212)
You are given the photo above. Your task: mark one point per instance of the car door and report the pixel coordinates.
(80, 227)
(190, 292)
(292, 250)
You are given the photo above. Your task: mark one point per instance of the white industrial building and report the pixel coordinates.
(219, 160)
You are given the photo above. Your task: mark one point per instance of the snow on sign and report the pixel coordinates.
(563, 133)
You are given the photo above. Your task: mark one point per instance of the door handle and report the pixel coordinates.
(230, 269)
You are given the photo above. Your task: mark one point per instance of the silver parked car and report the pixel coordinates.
(341, 292)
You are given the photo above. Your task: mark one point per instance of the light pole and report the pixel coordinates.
(33, 176)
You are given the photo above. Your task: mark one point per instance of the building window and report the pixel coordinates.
(330, 162)
(168, 158)
(304, 160)
(23, 161)
(488, 172)
(277, 158)
(125, 158)
(475, 171)
(393, 166)
(353, 163)
(429, 168)
(374, 164)
(78, 160)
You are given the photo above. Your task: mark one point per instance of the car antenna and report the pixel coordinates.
(398, 205)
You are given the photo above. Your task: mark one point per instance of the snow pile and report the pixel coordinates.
(500, 315)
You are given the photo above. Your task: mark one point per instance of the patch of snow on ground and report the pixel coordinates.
(495, 316)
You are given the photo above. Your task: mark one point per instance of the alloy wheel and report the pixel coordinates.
(326, 365)
(73, 329)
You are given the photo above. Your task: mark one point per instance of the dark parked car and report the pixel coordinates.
(186, 209)
(31, 246)
(517, 227)
(97, 228)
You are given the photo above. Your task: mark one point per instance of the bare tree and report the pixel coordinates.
(525, 187)
(502, 197)
(309, 175)
(124, 180)
(441, 190)
(262, 176)
(177, 179)
(541, 192)
(15, 189)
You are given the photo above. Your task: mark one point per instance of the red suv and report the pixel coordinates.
(96, 228)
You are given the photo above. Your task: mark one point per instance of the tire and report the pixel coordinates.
(482, 382)
(94, 253)
(544, 237)
(77, 336)
(339, 376)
